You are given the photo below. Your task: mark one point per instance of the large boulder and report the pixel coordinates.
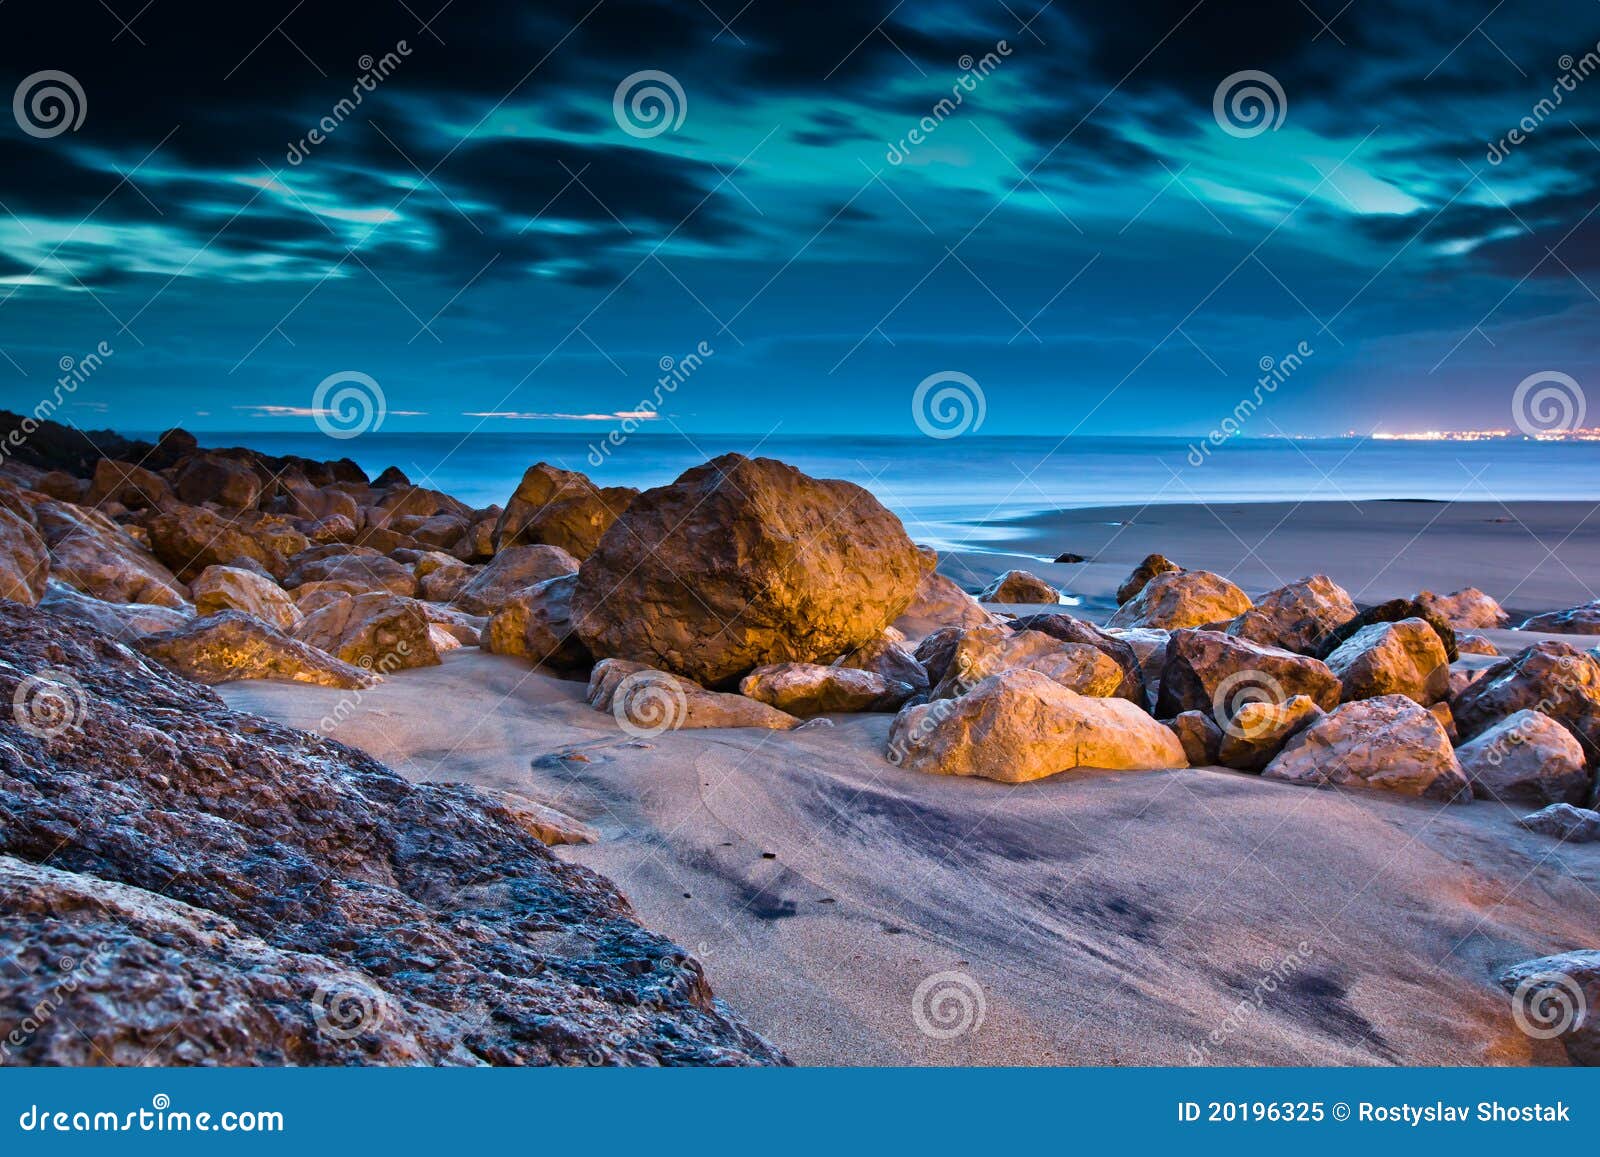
(227, 482)
(560, 508)
(1021, 725)
(1390, 612)
(1558, 997)
(1390, 743)
(1183, 598)
(1071, 630)
(1527, 757)
(535, 623)
(1200, 736)
(1212, 671)
(647, 702)
(1019, 587)
(980, 652)
(1296, 616)
(24, 560)
(442, 583)
(127, 485)
(1259, 730)
(223, 588)
(1152, 565)
(939, 603)
(1468, 609)
(100, 558)
(1551, 677)
(120, 621)
(376, 632)
(361, 567)
(743, 562)
(1584, 620)
(231, 645)
(512, 570)
(807, 689)
(187, 885)
(187, 539)
(1405, 658)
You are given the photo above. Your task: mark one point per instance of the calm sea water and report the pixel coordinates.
(948, 491)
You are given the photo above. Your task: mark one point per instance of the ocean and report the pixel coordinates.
(953, 491)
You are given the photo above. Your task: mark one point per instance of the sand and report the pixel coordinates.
(1093, 918)
(1532, 556)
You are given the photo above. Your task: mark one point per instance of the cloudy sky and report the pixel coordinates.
(1088, 233)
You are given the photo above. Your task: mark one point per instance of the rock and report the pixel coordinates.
(1211, 671)
(1559, 997)
(806, 689)
(231, 645)
(1200, 736)
(544, 823)
(1081, 668)
(1526, 758)
(1296, 616)
(360, 566)
(647, 702)
(1447, 720)
(95, 555)
(1475, 645)
(1259, 730)
(1570, 825)
(1018, 586)
(123, 482)
(1391, 612)
(227, 482)
(336, 528)
(939, 603)
(120, 621)
(1069, 557)
(376, 632)
(445, 583)
(560, 508)
(1389, 743)
(1021, 725)
(1552, 677)
(513, 569)
(535, 623)
(1152, 565)
(1070, 630)
(744, 562)
(1403, 658)
(61, 485)
(937, 650)
(887, 657)
(188, 539)
(1584, 620)
(222, 890)
(984, 651)
(222, 588)
(461, 627)
(1468, 609)
(1188, 598)
(24, 561)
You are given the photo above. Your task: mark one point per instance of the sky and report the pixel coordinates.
(533, 208)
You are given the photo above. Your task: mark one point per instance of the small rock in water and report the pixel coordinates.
(1069, 557)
